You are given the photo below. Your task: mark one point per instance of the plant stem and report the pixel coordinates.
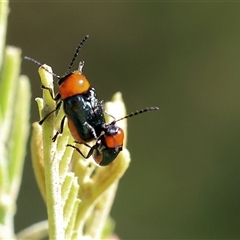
(51, 163)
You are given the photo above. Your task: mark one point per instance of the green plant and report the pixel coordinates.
(83, 192)
(78, 194)
(14, 126)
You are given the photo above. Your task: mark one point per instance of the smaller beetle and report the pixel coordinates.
(109, 143)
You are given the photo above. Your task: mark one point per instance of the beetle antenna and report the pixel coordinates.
(76, 53)
(136, 113)
(41, 65)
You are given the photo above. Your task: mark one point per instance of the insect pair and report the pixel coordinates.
(85, 114)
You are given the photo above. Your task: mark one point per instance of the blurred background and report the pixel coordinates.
(183, 181)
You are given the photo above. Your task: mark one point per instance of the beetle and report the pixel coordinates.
(85, 113)
(109, 144)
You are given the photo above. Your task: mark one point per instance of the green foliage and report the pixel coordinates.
(78, 193)
(14, 127)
